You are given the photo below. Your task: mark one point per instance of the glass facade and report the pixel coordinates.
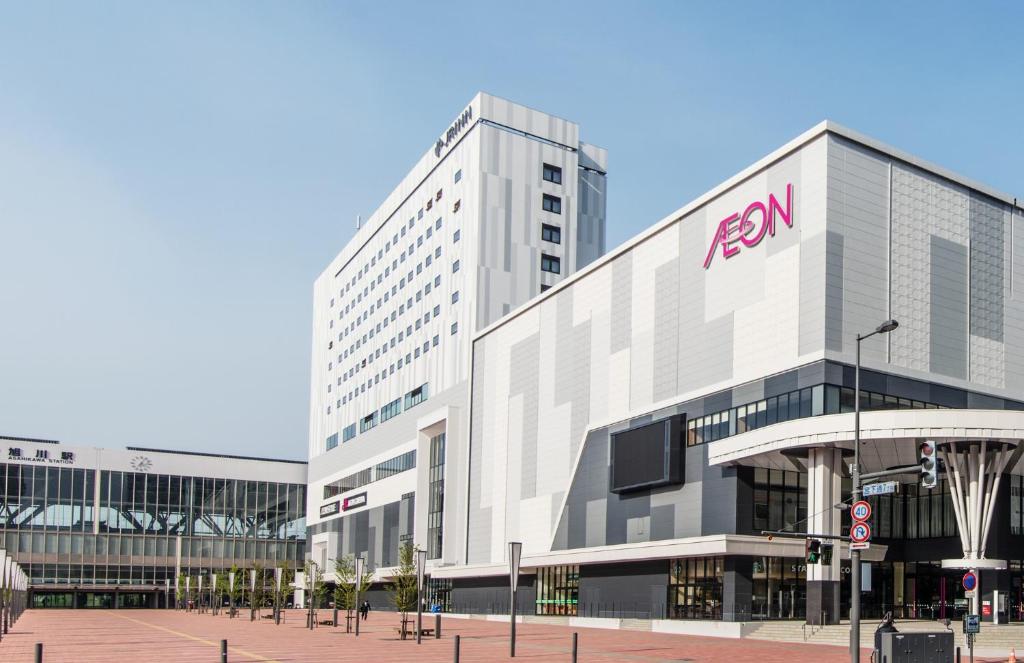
(558, 589)
(435, 503)
(780, 499)
(89, 527)
(779, 588)
(695, 588)
(797, 404)
(915, 512)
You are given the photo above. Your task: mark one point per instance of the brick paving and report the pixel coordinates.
(112, 636)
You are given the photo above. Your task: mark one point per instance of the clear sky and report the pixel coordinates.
(173, 176)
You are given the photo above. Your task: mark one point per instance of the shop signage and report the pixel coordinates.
(354, 502)
(749, 228)
(453, 132)
(330, 509)
(41, 456)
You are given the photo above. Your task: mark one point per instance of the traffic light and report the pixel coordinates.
(826, 553)
(813, 548)
(929, 465)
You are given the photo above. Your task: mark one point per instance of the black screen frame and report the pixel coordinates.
(674, 455)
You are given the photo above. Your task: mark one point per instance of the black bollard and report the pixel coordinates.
(223, 651)
(456, 649)
(957, 655)
(39, 652)
(575, 645)
(437, 626)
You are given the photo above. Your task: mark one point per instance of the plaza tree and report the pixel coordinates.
(403, 585)
(345, 586)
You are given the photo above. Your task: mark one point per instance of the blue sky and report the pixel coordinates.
(173, 176)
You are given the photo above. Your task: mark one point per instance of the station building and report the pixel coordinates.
(638, 421)
(110, 528)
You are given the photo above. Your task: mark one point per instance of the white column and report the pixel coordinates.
(824, 491)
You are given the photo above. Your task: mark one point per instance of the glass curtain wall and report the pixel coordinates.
(558, 590)
(65, 531)
(695, 588)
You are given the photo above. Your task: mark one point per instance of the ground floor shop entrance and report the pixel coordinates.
(104, 599)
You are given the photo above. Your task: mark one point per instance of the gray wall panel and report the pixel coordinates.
(948, 350)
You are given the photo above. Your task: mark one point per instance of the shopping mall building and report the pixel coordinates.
(642, 421)
(113, 528)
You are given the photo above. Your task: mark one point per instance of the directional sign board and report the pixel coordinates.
(884, 488)
(860, 510)
(860, 532)
(970, 581)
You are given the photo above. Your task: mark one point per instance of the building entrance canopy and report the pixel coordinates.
(889, 438)
(976, 446)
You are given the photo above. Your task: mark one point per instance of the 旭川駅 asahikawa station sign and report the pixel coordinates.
(747, 230)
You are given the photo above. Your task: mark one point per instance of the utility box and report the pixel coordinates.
(934, 647)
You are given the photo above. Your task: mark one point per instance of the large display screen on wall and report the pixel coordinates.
(647, 456)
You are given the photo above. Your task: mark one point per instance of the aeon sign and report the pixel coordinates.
(749, 228)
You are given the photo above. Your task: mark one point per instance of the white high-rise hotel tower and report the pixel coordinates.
(506, 203)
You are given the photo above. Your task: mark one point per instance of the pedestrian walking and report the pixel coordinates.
(364, 610)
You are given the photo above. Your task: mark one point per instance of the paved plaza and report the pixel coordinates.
(111, 636)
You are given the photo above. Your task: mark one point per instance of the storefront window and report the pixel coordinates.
(558, 589)
(779, 588)
(695, 588)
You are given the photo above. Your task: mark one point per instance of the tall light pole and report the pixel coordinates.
(359, 582)
(421, 566)
(515, 551)
(883, 328)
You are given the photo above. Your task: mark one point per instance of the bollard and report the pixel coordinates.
(575, 646)
(223, 651)
(437, 626)
(957, 655)
(39, 652)
(456, 649)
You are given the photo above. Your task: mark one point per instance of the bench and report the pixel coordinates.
(412, 631)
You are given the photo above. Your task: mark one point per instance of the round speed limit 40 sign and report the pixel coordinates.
(860, 510)
(860, 532)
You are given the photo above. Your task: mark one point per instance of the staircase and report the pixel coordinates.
(1002, 636)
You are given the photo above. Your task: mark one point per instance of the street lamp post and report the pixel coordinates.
(252, 595)
(421, 564)
(359, 582)
(278, 573)
(515, 550)
(883, 328)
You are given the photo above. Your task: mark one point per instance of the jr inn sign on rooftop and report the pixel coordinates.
(461, 122)
(749, 228)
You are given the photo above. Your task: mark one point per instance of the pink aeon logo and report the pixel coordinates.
(750, 227)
